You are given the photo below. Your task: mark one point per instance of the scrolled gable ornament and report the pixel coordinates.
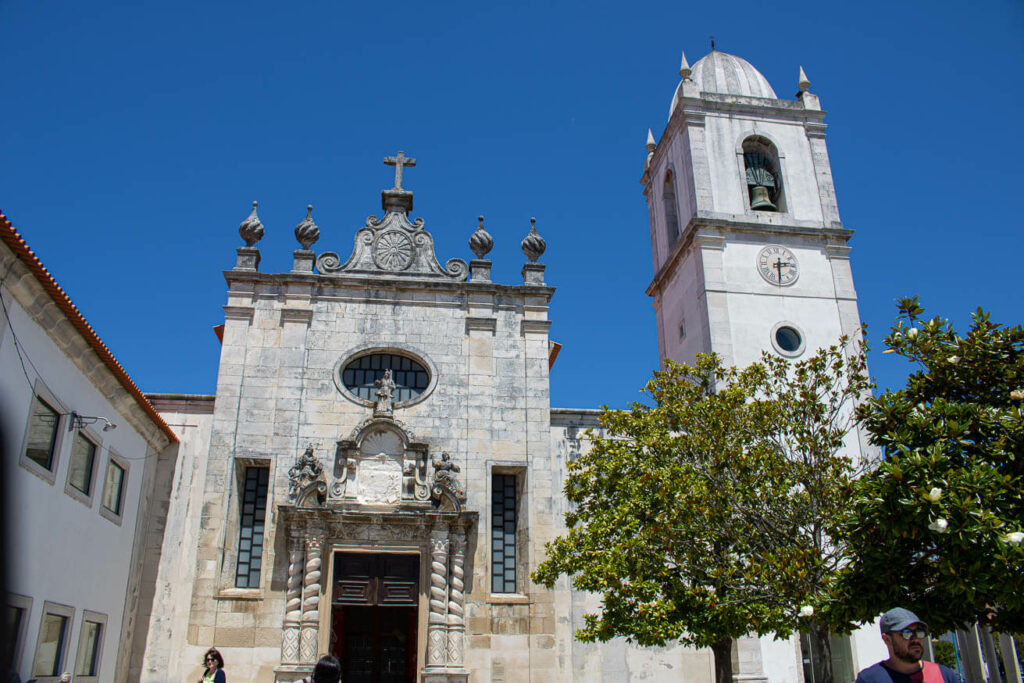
(446, 486)
(306, 474)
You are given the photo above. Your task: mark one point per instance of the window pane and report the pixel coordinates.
(250, 532)
(51, 646)
(410, 378)
(89, 649)
(83, 452)
(503, 533)
(14, 617)
(113, 487)
(42, 433)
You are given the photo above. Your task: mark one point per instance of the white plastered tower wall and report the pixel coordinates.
(707, 241)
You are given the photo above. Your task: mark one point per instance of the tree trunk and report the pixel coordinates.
(723, 660)
(821, 651)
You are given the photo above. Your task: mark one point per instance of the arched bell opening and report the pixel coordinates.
(763, 175)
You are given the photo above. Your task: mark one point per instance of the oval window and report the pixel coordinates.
(359, 375)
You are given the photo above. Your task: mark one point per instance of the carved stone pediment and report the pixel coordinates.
(396, 247)
(380, 465)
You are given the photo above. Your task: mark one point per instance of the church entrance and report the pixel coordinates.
(374, 616)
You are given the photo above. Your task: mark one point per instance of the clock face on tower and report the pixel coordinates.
(778, 265)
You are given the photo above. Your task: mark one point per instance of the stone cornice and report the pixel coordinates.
(714, 230)
(323, 284)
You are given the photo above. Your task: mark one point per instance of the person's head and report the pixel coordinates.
(903, 634)
(212, 658)
(327, 670)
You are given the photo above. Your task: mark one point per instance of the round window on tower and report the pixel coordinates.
(788, 339)
(356, 376)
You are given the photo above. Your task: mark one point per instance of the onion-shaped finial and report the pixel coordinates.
(533, 244)
(306, 232)
(803, 83)
(251, 229)
(480, 242)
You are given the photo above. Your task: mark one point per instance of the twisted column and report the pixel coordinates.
(293, 603)
(457, 599)
(310, 619)
(436, 622)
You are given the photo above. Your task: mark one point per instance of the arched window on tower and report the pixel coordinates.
(763, 175)
(668, 199)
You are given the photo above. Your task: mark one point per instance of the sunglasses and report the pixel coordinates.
(909, 633)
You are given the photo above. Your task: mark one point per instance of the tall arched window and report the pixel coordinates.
(763, 174)
(668, 198)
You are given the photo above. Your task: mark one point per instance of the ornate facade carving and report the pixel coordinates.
(445, 488)
(437, 632)
(306, 471)
(457, 599)
(393, 245)
(310, 620)
(293, 601)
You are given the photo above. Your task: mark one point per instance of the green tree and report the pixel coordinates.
(708, 515)
(938, 526)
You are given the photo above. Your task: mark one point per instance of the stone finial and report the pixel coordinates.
(651, 144)
(480, 242)
(533, 244)
(684, 69)
(804, 84)
(307, 232)
(251, 229)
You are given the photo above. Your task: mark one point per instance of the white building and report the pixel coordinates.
(78, 491)
(380, 467)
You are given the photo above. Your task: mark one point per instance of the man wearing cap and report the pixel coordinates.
(903, 634)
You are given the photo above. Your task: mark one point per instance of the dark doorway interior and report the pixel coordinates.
(373, 617)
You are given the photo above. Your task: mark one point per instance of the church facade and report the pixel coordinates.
(381, 468)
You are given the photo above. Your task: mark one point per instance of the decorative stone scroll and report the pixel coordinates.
(381, 463)
(394, 246)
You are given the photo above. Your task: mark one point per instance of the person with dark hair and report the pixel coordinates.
(903, 634)
(214, 663)
(327, 670)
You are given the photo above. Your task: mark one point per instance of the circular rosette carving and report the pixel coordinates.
(393, 250)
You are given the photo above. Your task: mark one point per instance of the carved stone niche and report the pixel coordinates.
(380, 466)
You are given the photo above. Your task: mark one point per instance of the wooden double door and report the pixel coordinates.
(374, 617)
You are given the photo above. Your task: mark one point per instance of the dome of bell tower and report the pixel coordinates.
(725, 74)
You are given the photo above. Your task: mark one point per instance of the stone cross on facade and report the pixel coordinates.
(398, 162)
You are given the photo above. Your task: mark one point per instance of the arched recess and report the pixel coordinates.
(761, 169)
(670, 206)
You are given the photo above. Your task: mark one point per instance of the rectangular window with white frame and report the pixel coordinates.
(43, 436)
(90, 646)
(16, 616)
(82, 466)
(115, 481)
(52, 645)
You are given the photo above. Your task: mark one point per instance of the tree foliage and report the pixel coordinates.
(937, 527)
(709, 515)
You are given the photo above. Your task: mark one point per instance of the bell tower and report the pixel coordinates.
(748, 248)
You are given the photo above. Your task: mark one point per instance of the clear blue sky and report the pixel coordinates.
(135, 134)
